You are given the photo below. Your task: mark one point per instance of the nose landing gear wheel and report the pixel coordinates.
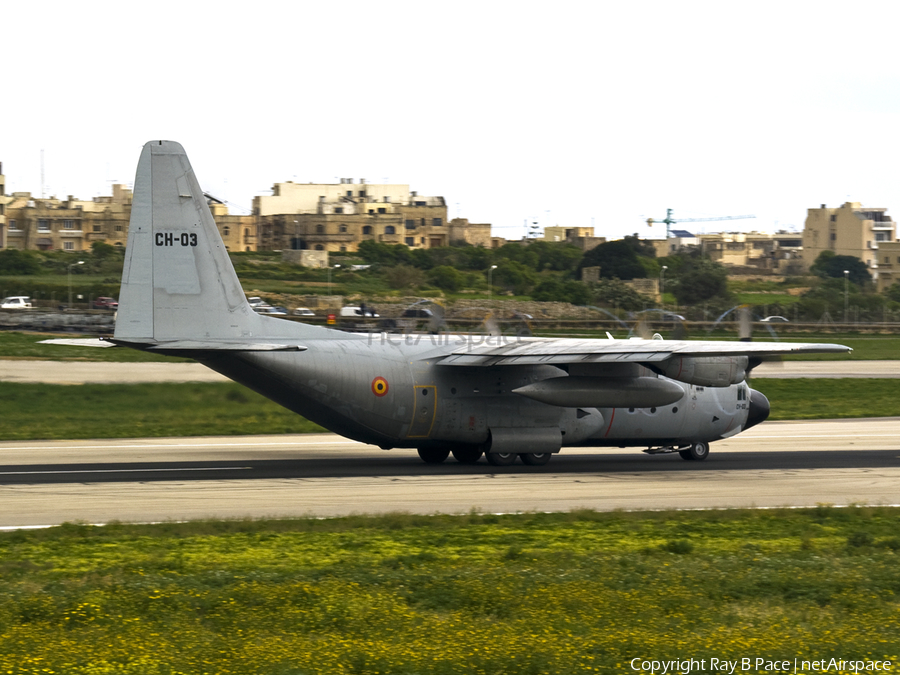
(535, 458)
(500, 458)
(698, 451)
(467, 455)
(433, 455)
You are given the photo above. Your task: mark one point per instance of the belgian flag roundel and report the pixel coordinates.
(379, 386)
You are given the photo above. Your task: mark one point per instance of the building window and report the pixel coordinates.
(226, 231)
(338, 209)
(43, 225)
(362, 193)
(343, 249)
(367, 229)
(343, 229)
(437, 222)
(382, 210)
(410, 241)
(320, 229)
(68, 245)
(118, 228)
(410, 224)
(12, 224)
(390, 229)
(96, 228)
(349, 193)
(422, 239)
(69, 224)
(319, 247)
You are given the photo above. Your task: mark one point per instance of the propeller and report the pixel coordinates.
(436, 323)
(490, 325)
(523, 328)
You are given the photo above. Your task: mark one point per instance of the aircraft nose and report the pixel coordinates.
(759, 409)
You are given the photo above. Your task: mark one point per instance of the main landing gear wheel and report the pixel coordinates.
(433, 455)
(535, 458)
(501, 458)
(467, 455)
(698, 451)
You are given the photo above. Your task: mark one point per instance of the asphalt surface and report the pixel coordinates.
(148, 480)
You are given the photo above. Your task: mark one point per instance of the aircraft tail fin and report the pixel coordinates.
(178, 282)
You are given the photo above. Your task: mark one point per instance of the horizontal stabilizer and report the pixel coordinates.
(78, 342)
(214, 345)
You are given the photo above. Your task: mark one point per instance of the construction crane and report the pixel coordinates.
(668, 220)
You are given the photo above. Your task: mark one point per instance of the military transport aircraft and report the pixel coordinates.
(469, 395)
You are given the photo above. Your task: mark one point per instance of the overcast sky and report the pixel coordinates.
(564, 113)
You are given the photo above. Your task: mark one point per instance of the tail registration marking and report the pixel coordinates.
(175, 238)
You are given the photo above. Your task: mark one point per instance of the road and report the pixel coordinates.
(147, 480)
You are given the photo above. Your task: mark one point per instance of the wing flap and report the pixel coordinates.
(525, 352)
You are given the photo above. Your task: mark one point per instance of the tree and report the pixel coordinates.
(616, 259)
(446, 278)
(14, 261)
(400, 277)
(699, 280)
(554, 289)
(829, 264)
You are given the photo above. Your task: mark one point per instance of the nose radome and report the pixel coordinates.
(759, 409)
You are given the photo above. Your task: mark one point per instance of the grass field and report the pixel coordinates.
(583, 592)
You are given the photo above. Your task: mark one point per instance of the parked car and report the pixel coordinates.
(104, 302)
(254, 301)
(354, 311)
(303, 311)
(270, 310)
(418, 313)
(16, 302)
(774, 319)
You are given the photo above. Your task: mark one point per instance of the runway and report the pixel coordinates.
(147, 480)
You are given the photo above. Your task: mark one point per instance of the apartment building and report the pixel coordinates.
(339, 216)
(848, 230)
(888, 265)
(3, 202)
(67, 224)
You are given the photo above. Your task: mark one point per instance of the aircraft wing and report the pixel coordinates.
(500, 351)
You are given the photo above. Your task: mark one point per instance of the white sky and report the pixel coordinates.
(583, 113)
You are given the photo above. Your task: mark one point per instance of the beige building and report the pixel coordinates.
(238, 232)
(848, 230)
(888, 265)
(4, 200)
(68, 225)
(339, 216)
(582, 237)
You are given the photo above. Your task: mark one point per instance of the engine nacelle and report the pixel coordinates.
(704, 371)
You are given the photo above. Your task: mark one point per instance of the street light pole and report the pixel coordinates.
(846, 294)
(662, 281)
(491, 283)
(80, 262)
(296, 235)
(329, 277)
